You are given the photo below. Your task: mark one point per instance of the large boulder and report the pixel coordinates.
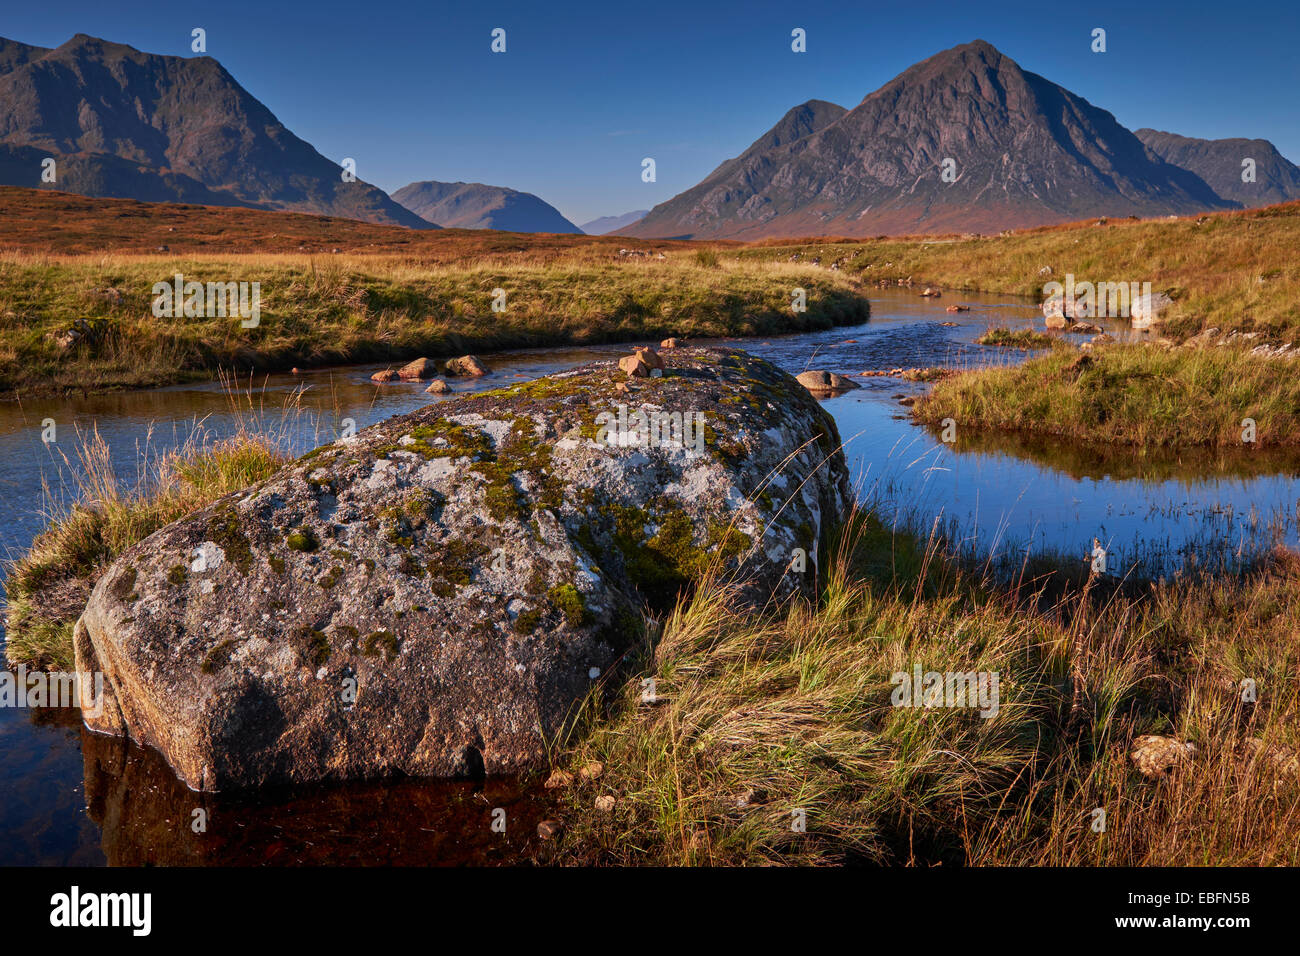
(436, 594)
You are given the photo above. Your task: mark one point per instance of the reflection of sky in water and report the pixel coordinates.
(992, 499)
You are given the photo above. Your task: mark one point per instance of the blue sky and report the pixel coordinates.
(585, 90)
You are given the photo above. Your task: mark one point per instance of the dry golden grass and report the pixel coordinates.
(758, 716)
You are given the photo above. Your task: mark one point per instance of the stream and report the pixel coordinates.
(68, 797)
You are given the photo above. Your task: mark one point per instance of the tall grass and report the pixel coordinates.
(47, 587)
(756, 718)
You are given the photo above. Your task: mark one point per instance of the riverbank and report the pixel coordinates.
(1130, 395)
(1236, 271)
(777, 739)
(754, 721)
(354, 309)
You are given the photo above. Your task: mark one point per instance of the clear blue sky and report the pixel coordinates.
(587, 89)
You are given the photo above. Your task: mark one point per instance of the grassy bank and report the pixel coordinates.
(379, 308)
(1133, 395)
(1017, 339)
(754, 718)
(46, 589)
(1232, 270)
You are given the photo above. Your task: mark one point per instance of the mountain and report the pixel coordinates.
(607, 224)
(124, 123)
(1218, 162)
(476, 206)
(1026, 151)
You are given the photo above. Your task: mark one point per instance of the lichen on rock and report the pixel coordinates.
(430, 595)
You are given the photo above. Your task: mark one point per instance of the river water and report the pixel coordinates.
(69, 797)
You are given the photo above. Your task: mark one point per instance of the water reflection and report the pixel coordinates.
(149, 818)
(67, 797)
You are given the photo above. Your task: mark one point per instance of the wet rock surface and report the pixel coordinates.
(434, 595)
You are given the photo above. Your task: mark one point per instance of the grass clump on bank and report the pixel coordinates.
(378, 308)
(1017, 339)
(757, 720)
(47, 587)
(1132, 395)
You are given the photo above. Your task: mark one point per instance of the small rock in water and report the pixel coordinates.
(438, 387)
(466, 365)
(823, 383)
(419, 369)
(670, 343)
(387, 375)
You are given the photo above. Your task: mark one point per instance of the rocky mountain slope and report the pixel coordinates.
(1022, 152)
(136, 125)
(477, 206)
(1218, 162)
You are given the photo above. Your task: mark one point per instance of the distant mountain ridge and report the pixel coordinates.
(479, 206)
(1023, 151)
(604, 225)
(1219, 163)
(124, 123)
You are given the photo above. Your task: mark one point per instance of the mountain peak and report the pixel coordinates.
(462, 205)
(149, 126)
(1021, 150)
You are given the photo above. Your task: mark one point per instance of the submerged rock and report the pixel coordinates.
(825, 383)
(421, 368)
(433, 595)
(467, 365)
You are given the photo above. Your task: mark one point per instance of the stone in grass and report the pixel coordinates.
(558, 780)
(429, 596)
(548, 829)
(605, 803)
(1155, 756)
